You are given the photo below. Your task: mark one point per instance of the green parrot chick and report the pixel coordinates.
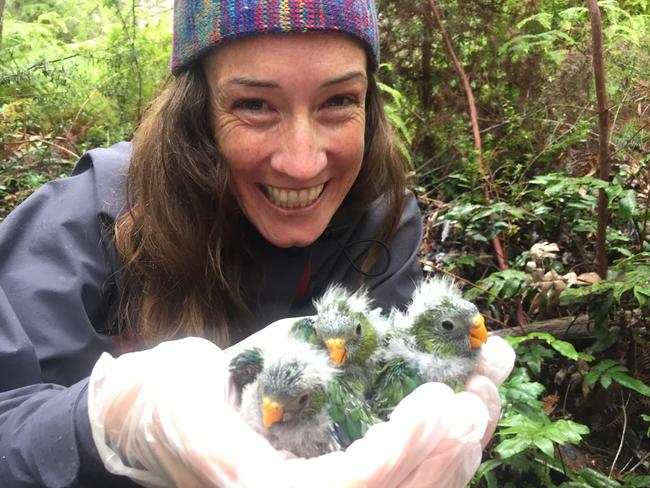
(436, 339)
(287, 401)
(440, 334)
(347, 327)
(349, 330)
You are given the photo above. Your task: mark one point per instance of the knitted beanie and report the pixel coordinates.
(200, 25)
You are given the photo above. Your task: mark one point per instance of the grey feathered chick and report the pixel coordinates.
(346, 326)
(286, 401)
(437, 339)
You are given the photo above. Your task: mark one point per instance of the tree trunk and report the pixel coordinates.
(603, 135)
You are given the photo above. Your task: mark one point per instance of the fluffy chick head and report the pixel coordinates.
(442, 321)
(342, 326)
(292, 387)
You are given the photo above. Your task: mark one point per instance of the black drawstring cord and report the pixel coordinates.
(330, 233)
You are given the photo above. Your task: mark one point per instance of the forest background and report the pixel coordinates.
(515, 218)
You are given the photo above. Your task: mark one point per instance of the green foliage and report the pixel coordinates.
(534, 356)
(520, 394)
(78, 75)
(565, 348)
(627, 288)
(527, 436)
(85, 80)
(608, 370)
(504, 284)
(398, 110)
(520, 431)
(628, 285)
(484, 222)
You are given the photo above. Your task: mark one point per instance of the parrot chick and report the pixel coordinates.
(284, 397)
(349, 330)
(438, 338)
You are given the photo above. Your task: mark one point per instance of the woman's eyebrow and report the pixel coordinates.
(345, 77)
(255, 83)
(252, 82)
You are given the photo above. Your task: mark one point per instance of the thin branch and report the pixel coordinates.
(485, 174)
(640, 227)
(632, 137)
(49, 143)
(631, 470)
(465, 82)
(431, 265)
(92, 93)
(620, 444)
(618, 111)
(2, 10)
(131, 36)
(40, 64)
(603, 140)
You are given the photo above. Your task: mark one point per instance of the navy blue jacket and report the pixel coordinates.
(59, 294)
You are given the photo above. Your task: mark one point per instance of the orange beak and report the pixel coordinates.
(336, 348)
(272, 412)
(478, 332)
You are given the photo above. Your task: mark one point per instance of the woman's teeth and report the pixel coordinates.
(294, 198)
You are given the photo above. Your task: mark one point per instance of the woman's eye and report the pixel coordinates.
(340, 101)
(251, 105)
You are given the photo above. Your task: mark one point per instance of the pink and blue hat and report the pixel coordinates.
(201, 25)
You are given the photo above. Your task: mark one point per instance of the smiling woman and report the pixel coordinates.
(271, 147)
(289, 120)
(262, 174)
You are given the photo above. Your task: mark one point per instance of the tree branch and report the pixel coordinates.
(473, 113)
(603, 137)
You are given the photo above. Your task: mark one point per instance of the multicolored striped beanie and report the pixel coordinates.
(200, 25)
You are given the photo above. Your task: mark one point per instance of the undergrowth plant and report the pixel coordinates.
(531, 436)
(627, 287)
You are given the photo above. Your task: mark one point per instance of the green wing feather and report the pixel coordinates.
(304, 330)
(349, 410)
(245, 367)
(395, 380)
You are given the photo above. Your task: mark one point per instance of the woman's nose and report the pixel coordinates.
(300, 154)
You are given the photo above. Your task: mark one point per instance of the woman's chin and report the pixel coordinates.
(294, 236)
(291, 241)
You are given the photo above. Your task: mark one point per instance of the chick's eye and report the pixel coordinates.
(303, 399)
(358, 329)
(447, 325)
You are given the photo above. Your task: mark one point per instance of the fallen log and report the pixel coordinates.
(566, 328)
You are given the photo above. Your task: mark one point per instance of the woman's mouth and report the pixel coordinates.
(287, 198)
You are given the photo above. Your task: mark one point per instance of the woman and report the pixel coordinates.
(265, 172)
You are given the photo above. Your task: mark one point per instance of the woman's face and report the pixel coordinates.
(289, 119)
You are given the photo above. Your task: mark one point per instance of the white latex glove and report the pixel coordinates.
(165, 417)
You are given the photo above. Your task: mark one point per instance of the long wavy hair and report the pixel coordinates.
(182, 219)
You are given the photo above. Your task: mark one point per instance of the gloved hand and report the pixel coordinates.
(165, 417)
(465, 423)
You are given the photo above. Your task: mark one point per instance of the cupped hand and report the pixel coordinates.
(166, 417)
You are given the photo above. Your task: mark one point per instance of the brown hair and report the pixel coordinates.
(180, 240)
